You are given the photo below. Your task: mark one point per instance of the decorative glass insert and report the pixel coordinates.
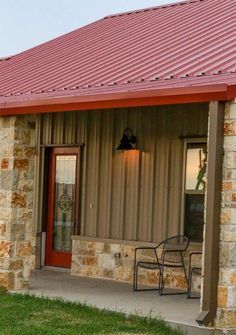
(64, 202)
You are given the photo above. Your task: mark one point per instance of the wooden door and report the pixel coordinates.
(62, 205)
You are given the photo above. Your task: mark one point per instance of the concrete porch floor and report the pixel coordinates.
(177, 310)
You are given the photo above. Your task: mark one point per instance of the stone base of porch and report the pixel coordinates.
(111, 259)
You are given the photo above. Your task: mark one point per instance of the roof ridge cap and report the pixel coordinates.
(5, 58)
(172, 4)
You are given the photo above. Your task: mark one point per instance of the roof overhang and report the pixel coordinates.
(133, 98)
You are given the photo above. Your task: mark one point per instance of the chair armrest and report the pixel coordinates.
(144, 248)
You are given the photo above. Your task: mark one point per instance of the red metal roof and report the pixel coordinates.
(180, 45)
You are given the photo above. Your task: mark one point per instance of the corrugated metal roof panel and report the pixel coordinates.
(156, 47)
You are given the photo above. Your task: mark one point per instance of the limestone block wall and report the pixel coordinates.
(17, 164)
(226, 315)
(111, 260)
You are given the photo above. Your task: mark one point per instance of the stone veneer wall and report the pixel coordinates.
(226, 314)
(17, 163)
(111, 260)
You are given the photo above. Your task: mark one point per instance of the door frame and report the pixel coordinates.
(52, 257)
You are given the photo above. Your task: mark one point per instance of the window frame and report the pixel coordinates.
(187, 141)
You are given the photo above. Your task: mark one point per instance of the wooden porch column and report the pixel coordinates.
(212, 215)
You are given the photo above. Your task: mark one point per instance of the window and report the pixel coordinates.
(194, 189)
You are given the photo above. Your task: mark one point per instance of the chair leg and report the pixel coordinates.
(135, 278)
(185, 273)
(190, 284)
(135, 282)
(189, 280)
(161, 280)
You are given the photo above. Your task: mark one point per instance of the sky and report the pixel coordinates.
(26, 23)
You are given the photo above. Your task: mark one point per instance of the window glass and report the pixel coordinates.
(194, 216)
(195, 185)
(196, 166)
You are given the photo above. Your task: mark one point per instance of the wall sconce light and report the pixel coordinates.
(128, 140)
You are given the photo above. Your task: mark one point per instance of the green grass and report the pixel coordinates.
(28, 315)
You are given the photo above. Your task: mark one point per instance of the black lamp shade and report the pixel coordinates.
(128, 140)
(124, 144)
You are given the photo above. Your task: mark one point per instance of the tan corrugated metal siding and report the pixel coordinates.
(151, 48)
(133, 195)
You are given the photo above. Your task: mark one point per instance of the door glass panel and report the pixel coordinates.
(64, 202)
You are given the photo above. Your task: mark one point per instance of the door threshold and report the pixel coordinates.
(54, 268)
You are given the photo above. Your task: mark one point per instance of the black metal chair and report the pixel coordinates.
(193, 270)
(174, 246)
